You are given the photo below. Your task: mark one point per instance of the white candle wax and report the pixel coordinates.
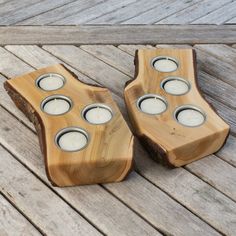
(98, 114)
(175, 86)
(190, 117)
(165, 65)
(56, 106)
(152, 105)
(72, 141)
(51, 82)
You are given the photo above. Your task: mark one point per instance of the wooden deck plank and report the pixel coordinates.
(114, 34)
(127, 12)
(136, 190)
(194, 12)
(211, 169)
(93, 12)
(30, 10)
(97, 69)
(220, 51)
(231, 21)
(60, 12)
(136, 12)
(159, 13)
(56, 50)
(49, 212)
(193, 193)
(9, 7)
(161, 206)
(12, 222)
(218, 16)
(228, 151)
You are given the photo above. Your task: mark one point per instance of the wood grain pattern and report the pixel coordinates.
(172, 142)
(100, 161)
(117, 34)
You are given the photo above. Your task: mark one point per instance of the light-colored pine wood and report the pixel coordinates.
(101, 161)
(176, 144)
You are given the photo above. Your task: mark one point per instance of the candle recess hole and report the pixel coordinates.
(165, 64)
(152, 104)
(72, 139)
(50, 82)
(190, 116)
(97, 113)
(56, 105)
(175, 86)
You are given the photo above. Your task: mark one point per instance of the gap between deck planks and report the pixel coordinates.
(151, 210)
(117, 34)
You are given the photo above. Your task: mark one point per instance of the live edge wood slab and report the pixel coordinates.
(108, 156)
(166, 139)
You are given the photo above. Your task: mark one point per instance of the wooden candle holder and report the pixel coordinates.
(108, 154)
(162, 134)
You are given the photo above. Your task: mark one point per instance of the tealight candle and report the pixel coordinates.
(72, 139)
(56, 105)
(190, 116)
(175, 85)
(165, 64)
(50, 82)
(97, 114)
(152, 104)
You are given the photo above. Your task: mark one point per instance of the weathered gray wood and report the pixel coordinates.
(211, 216)
(48, 211)
(90, 66)
(93, 12)
(147, 201)
(218, 16)
(218, 89)
(228, 153)
(113, 34)
(7, 60)
(193, 193)
(225, 112)
(30, 10)
(21, 51)
(12, 222)
(198, 10)
(216, 67)
(112, 56)
(158, 13)
(60, 12)
(220, 51)
(231, 21)
(127, 12)
(218, 173)
(10, 7)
